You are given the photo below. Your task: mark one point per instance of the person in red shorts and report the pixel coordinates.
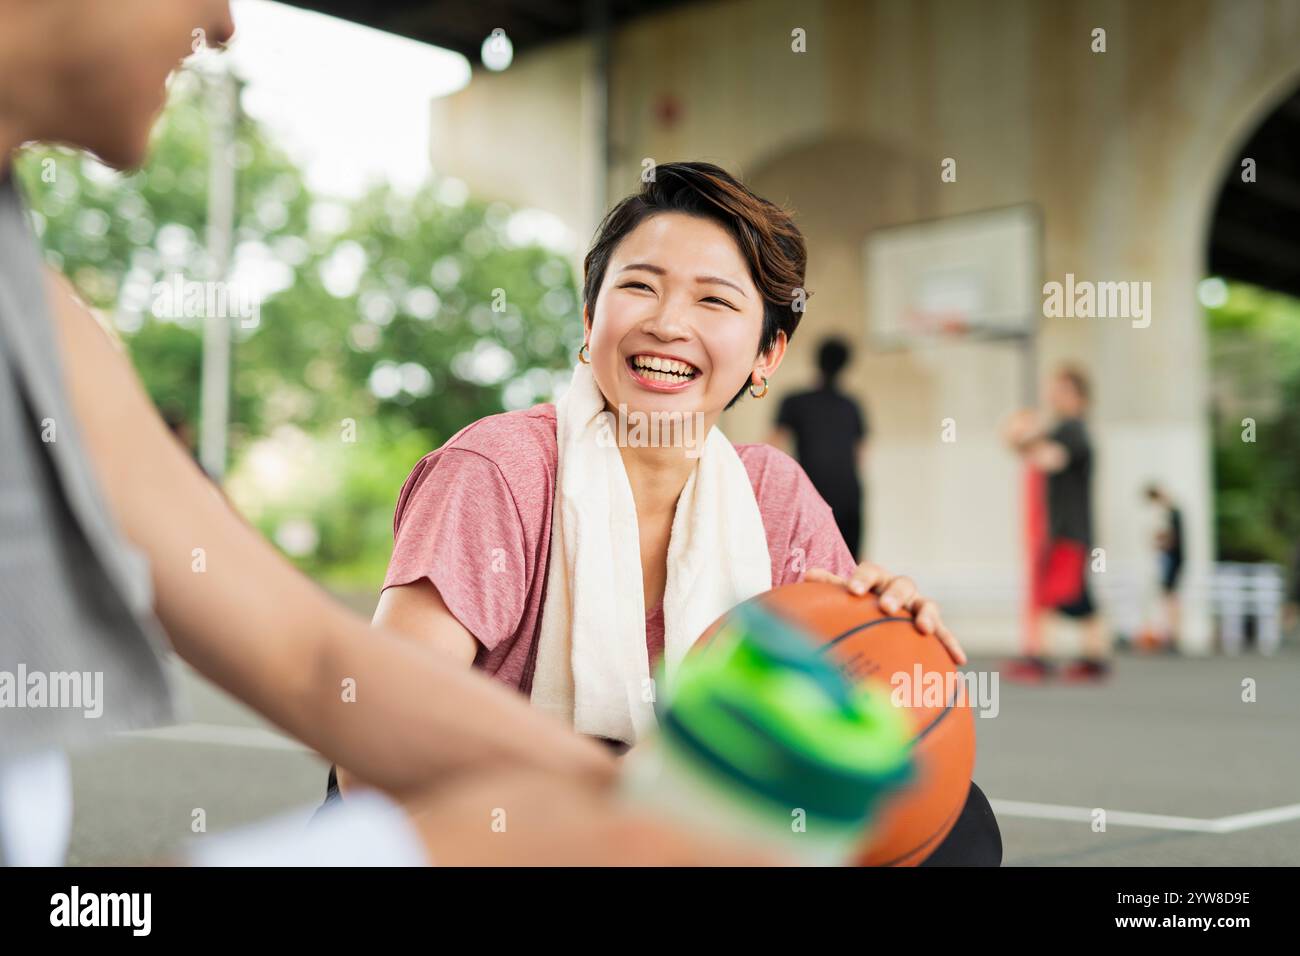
(1063, 453)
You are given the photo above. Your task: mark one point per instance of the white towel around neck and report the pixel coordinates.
(592, 664)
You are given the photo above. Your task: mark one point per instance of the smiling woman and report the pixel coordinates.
(690, 290)
(572, 567)
(695, 237)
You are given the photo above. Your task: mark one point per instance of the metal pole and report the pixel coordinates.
(214, 407)
(598, 25)
(1029, 347)
(1031, 639)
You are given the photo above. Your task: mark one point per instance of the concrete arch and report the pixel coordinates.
(1156, 420)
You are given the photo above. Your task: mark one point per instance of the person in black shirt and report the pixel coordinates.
(1169, 541)
(1064, 453)
(829, 436)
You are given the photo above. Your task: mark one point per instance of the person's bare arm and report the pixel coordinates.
(416, 612)
(267, 634)
(1027, 437)
(1046, 455)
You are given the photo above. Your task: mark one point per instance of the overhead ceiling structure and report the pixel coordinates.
(463, 25)
(1255, 230)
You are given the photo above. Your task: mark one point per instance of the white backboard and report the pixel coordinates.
(976, 274)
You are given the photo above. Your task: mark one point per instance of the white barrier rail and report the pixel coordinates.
(1236, 592)
(1239, 590)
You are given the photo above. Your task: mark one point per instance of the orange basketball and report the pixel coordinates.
(867, 643)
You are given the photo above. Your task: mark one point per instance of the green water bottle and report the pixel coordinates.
(762, 740)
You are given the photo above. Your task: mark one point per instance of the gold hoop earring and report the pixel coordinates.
(587, 359)
(763, 392)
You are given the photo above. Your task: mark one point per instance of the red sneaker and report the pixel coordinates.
(1028, 670)
(1087, 670)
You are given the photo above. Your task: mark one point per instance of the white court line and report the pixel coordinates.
(261, 738)
(1152, 821)
(221, 734)
(1257, 818)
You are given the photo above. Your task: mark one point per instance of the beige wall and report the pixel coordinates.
(526, 136)
(1122, 152)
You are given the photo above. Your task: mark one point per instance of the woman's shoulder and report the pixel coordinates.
(510, 456)
(780, 483)
(770, 466)
(521, 438)
(800, 525)
(517, 448)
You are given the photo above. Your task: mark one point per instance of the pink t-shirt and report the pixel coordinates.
(474, 517)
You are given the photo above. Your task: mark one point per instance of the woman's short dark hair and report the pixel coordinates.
(766, 236)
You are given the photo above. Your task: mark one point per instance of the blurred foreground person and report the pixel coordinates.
(101, 513)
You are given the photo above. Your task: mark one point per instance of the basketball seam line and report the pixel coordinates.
(931, 838)
(886, 620)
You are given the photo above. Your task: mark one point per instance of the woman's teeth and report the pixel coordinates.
(663, 370)
(663, 376)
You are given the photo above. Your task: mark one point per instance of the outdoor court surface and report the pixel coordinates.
(1187, 772)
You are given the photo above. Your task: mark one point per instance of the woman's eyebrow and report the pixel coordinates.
(661, 271)
(648, 267)
(721, 281)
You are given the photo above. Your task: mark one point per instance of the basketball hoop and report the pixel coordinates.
(946, 323)
(956, 325)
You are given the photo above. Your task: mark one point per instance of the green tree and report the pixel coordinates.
(1255, 374)
(394, 320)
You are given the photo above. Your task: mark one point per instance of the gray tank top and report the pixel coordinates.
(81, 653)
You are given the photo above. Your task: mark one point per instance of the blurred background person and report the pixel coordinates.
(1063, 452)
(828, 433)
(1169, 548)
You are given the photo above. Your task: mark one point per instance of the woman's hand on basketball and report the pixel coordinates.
(896, 594)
